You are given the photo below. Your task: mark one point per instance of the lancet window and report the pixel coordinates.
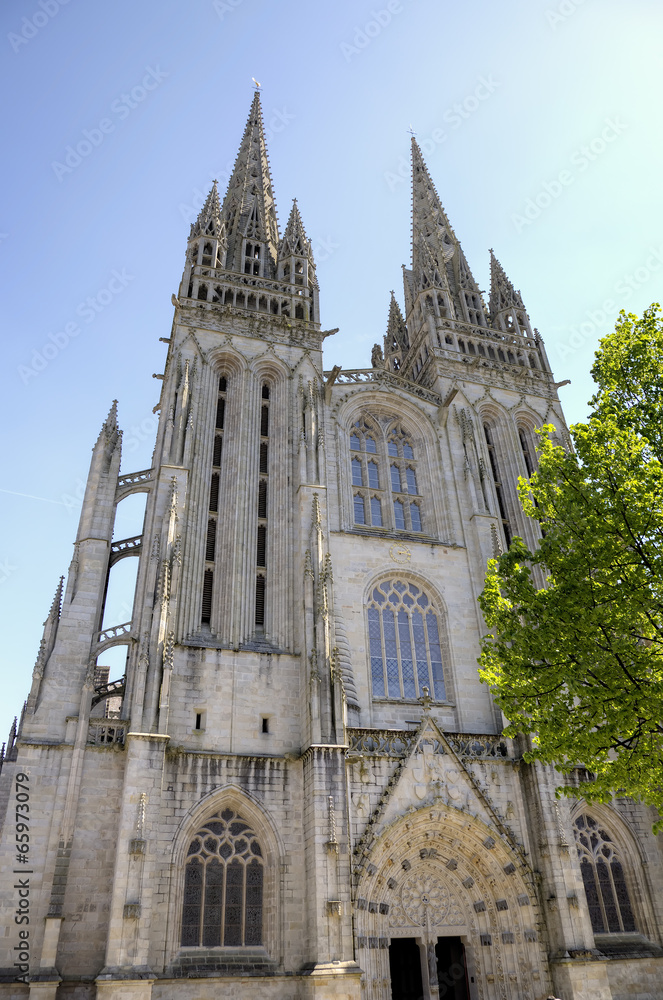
(213, 502)
(603, 877)
(527, 450)
(251, 258)
(385, 484)
(406, 642)
(263, 497)
(403, 481)
(223, 885)
(498, 482)
(368, 488)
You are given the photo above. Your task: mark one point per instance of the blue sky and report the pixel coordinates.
(540, 122)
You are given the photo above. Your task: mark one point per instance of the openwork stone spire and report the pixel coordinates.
(507, 311)
(396, 337)
(502, 293)
(209, 221)
(295, 240)
(432, 232)
(249, 211)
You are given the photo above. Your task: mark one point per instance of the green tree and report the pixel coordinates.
(578, 662)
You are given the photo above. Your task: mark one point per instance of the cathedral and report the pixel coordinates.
(298, 788)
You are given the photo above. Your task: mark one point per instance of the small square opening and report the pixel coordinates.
(264, 724)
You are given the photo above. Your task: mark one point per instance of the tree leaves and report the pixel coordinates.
(576, 654)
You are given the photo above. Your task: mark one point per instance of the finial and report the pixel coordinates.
(425, 700)
(256, 83)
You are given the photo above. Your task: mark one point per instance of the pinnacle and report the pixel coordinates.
(109, 428)
(396, 328)
(295, 239)
(56, 604)
(209, 217)
(502, 293)
(111, 419)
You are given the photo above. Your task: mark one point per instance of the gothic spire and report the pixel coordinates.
(428, 216)
(396, 337)
(56, 605)
(248, 210)
(430, 226)
(109, 428)
(46, 645)
(209, 219)
(295, 240)
(502, 293)
(396, 340)
(506, 308)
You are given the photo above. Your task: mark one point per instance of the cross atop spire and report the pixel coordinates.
(248, 210)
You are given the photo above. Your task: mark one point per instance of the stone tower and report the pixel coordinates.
(298, 787)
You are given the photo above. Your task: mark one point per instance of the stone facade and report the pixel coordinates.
(304, 792)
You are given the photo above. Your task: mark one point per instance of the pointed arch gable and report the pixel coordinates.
(227, 360)
(268, 367)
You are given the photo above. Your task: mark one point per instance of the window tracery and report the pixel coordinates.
(223, 885)
(405, 642)
(384, 485)
(603, 877)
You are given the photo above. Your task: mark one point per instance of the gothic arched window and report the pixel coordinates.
(498, 482)
(405, 643)
(367, 501)
(403, 478)
(384, 478)
(603, 877)
(525, 438)
(223, 885)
